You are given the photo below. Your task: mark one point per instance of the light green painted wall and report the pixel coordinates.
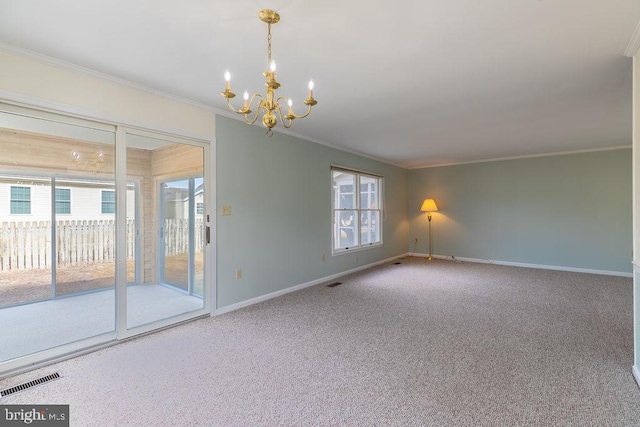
(636, 214)
(569, 210)
(279, 189)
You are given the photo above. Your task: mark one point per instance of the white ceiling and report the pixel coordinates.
(414, 83)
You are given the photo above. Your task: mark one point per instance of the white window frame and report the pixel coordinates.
(357, 192)
(56, 201)
(110, 202)
(12, 199)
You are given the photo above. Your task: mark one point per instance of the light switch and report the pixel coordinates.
(226, 210)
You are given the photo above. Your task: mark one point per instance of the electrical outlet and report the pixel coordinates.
(238, 274)
(226, 210)
(416, 240)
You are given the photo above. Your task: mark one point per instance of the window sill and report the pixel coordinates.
(337, 252)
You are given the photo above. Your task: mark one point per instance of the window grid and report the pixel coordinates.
(356, 210)
(63, 200)
(108, 202)
(20, 200)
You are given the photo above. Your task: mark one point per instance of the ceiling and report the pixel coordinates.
(413, 83)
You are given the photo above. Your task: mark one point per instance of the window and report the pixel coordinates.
(63, 200)
(20, 200)
(108, 201)
(356, 210)
(199, 208)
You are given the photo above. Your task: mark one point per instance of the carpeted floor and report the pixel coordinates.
(421, 343)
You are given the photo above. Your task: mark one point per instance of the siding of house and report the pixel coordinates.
(86, 204)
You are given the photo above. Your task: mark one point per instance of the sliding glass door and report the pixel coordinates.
(171, 284)
(182, 234)
(102, 233)
(57, 269)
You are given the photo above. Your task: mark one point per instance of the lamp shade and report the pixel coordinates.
(429, 205)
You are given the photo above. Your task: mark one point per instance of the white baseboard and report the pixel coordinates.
(521, 264)
(636, 374)
(247, 303)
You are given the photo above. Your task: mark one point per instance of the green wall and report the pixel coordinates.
(570, 211)
(279, 190)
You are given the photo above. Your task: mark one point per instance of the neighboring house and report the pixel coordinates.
(28, 200)
(176, 202)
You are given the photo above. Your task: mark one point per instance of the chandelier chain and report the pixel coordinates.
(268, 44)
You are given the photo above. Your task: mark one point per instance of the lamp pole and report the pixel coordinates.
(429, 218)
(428, 206)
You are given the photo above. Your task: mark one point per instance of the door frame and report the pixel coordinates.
(209, 247)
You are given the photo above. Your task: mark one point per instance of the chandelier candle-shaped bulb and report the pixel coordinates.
(272, 66)
(290, 104)
(245, 96)
(311, 85)
(227, 79)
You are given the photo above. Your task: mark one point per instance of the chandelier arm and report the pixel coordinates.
(282, 99)
(291, 113)
(305, 114)
(282, 118)
(257, 112)
(254, 96)
(231, 107)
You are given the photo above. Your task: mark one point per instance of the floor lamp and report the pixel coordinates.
(428, 206)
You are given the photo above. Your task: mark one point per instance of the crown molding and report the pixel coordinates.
(526, 156)
(634, 44)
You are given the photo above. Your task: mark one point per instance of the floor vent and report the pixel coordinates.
(30, 384)
(333, 285)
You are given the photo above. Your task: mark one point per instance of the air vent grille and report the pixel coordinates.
(29, 384)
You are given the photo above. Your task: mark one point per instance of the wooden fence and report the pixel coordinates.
(27, 245)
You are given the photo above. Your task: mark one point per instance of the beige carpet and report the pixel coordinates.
(421, 343)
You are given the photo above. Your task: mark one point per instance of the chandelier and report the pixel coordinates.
(269, 104)
(94, 163)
